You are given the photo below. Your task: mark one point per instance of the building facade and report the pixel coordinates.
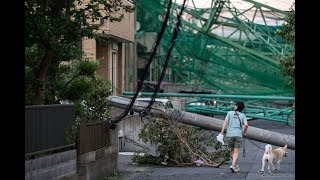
(115, 52)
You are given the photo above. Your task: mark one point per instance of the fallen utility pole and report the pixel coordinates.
(257, 134)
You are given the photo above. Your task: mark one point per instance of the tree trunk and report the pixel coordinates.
(41, 77)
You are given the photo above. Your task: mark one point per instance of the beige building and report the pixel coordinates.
(116, 52)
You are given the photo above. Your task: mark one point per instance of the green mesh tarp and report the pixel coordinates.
(223, 48)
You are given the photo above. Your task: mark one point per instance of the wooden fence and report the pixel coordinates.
(92, 136)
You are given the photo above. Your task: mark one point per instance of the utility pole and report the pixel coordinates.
(257, 134)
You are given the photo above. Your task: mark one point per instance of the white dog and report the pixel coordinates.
(273, 157)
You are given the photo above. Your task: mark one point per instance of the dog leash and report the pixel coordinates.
(244, 148)
(254, 143)
(243, 140)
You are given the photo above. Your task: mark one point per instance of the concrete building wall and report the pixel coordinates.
(120, 70)
(111, 56)
(89, 48)
(130, 67)
(103, 57)
(124, 29)
(113, 51)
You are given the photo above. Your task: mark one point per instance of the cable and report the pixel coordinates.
(254, 143)
(146, 69)
(129, 140)
(187, 50)
(157, 87)
(172, 43)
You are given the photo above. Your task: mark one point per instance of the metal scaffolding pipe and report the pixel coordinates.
(213, 96)
(257, 134)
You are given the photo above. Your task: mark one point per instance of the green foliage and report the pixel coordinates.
(288, 29)
(288, 33)
(288, 68)
(33, 55)
(183, 144)
(93, 107)
(86, 90)
(71, 133)
(53, 30)
(65, 81)
(87, 68)
(67, 21)
(79, 88)
(147, 160)
(29, 84)
(56, 81)
(78, 83)
(116, 175)
(66, 52)
(32, 60)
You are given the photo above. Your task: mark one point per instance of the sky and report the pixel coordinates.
(271, 19)
(242, 4)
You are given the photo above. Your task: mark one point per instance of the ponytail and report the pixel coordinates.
(240, 106)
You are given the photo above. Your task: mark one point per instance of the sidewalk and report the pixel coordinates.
(249, 165)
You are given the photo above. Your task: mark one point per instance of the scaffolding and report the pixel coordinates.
(228, 47)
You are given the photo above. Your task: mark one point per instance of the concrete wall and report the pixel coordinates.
(132, 124)
(131, 128)
(56, 166)
(96, 165)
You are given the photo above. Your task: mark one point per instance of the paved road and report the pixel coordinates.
(249, 165)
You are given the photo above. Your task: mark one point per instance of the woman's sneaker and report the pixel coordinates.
(237, 168)
(234, 168)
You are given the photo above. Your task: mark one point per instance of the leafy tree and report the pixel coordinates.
(288, 33)
(182, 144)
(53, 30)
(92, 106)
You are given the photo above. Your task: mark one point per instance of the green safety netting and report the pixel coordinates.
(228, 47)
